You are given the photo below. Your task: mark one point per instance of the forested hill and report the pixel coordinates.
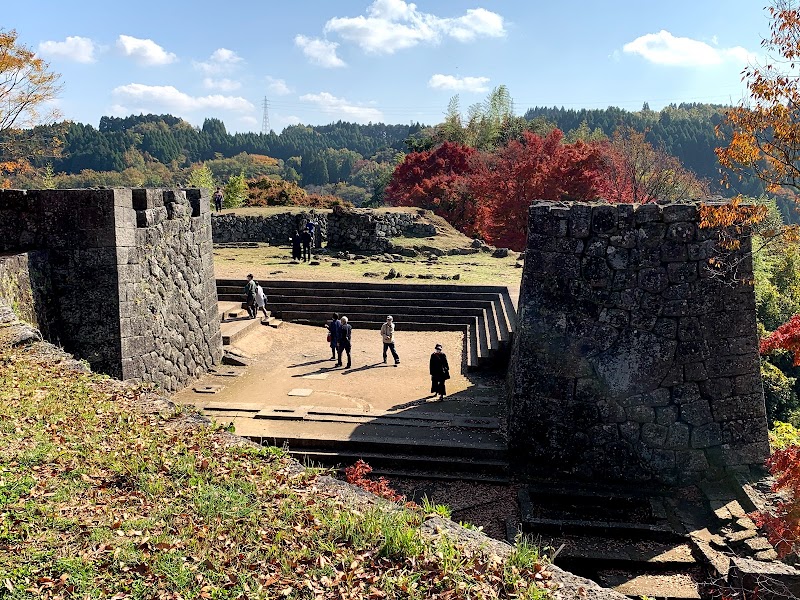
(683, 130)
(119, 143)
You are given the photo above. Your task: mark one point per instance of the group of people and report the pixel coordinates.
(302, 242)
(340, 334)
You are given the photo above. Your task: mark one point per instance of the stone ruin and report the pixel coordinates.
(121, 278)
(631, 361)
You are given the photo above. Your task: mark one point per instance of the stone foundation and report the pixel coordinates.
(630, 361)
(121, 278)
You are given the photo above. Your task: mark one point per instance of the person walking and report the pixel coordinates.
(218, 199)
(345, 334)
(334, 328)
(311, 226)
(305, 237)
(440, 371)
(387, 333)
(261, 301)
(296, 243)
(250, 289)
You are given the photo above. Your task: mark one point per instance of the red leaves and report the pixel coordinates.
(357, 475)
(785, 337)
(783, 527)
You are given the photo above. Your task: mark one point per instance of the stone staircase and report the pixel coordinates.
(484, 313)
(235, 323)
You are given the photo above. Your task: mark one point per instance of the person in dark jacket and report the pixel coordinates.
(305, 238)
(440, 372)
(334, 328)
(296, 244)
(250, 290)
(345, 333)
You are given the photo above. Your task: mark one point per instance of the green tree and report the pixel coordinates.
(201, 177)
(235, 192)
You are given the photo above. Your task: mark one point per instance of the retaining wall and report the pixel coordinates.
(121, 278)
(631, 361)
(347, 229)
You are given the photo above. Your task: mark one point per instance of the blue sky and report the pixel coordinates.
(319, 61)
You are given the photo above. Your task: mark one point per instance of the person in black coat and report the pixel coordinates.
(296, 244)
(345, 333)
(334, 327)
(305, 239)
(440, 371)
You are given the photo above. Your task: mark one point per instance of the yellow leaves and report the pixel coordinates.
(733, 214)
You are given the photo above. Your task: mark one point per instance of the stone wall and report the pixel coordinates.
(118, 276)
(631, 361)
(274, 229)
(371, 231)
(25, 287)
(346, 229)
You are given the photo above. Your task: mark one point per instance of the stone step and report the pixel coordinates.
(678, 585)
(409, 465)
(235, 330)
(356, 285)
(599, 552)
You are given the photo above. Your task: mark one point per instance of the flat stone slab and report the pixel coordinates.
(226, 373)
(208, 389)
(233, 406)
(300, 392)
(316, 376)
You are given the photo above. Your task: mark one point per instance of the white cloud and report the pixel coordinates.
(221, 85)
(156, 97)
(342, 108)
(221, 60)
(277, 87)
(249, 121)
(118, 110)
(392, 25)
(75, 48)
(145, 52)
(458, 84)
(663, 48)
(319, 52)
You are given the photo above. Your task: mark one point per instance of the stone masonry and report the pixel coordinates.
(346, 229)
(631, 361)
(121, 278)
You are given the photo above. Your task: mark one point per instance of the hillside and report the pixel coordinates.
(108, 490)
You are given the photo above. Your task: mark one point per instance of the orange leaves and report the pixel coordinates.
(357, 475)
(732, 214)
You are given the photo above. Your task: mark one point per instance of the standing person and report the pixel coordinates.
(218, 199)
(345, 333)
(334, 328)
(305, 237)
(261, 301)
(296, 245)
(387, 332)
(440, 371)
(311, 226)
(250, 289)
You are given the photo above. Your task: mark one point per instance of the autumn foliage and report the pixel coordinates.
(357, 475)
(783, 525)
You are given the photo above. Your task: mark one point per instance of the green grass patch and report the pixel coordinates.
(98, 500)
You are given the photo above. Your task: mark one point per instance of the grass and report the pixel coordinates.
(100, 500)
(270, 262)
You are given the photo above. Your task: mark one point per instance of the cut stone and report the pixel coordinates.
(300, 392)
(208, 389)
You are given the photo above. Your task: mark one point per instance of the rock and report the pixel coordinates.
(500, 253)
(456, 277)
(314, 263)
(476, 243)
(336, 264)
(371, 274)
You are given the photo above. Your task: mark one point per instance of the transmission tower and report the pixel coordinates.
(265, 129)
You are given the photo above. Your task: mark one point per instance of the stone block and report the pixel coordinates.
(653, 435)
(604, 218)
(682, 232)
(647, 213)
(640, 414)
(696, 413)
(653, 280)
(580, 221)
(682, 272)
(695, 372)
(706, 436)
(673, 251)
(673, 213)
(677, 437)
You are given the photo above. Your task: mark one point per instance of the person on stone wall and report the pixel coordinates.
(296, 243)
(387, 333)
(250, 289)
(440, 371)
(334, 327)
(305, 237)
(261, 301)
(345, 334)
(218, 199)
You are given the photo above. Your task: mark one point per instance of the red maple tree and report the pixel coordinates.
(534, 168)
(785, 337)
(437, 180)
